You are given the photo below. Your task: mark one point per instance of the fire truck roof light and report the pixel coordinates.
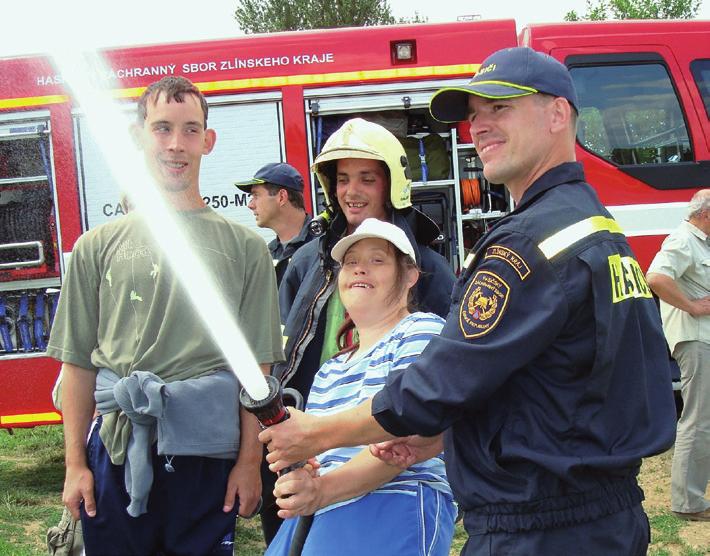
(404, 51)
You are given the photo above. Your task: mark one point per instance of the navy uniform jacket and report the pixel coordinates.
(281, 253)
(551, 373)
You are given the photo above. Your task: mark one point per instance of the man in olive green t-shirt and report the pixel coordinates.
(122, 309)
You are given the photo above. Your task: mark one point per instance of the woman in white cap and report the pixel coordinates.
(362, 505)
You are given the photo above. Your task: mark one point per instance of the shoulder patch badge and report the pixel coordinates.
(510, 257)
(483, 304)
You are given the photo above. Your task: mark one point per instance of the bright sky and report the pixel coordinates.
(33, 26)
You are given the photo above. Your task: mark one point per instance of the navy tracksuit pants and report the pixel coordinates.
(184, 515)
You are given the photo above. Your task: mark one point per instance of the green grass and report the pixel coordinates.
(665, 527)
(248, 539)
(460, 538)
(689, 551)
(665, 534)
(32, 474)
(31, 478)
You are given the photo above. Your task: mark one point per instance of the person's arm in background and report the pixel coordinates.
(668, 290)
(78, 385)
(670, 263)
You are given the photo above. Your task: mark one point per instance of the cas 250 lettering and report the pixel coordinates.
(225, 201)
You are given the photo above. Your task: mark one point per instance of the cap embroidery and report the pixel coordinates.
(489, 67)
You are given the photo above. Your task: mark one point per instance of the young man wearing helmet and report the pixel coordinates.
(363, 171)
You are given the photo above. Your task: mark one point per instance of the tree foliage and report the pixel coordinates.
(266, 16)
(598, 10)
(416, 18)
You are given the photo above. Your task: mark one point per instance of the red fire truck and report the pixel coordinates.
(644, 139)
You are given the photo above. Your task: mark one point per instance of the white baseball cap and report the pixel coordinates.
(372, 227)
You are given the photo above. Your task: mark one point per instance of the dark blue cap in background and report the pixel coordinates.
(276, 173)
(508, 73)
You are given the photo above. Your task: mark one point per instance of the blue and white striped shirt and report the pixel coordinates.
(342, 384)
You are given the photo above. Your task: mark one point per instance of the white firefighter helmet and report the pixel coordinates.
(358, 138)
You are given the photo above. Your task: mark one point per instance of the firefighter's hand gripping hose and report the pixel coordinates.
(272, 411)
(294, 440)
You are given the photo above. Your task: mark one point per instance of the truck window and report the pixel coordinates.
(630, 114)
(701, 74)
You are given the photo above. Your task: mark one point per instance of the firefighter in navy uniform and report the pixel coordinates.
(550, 376)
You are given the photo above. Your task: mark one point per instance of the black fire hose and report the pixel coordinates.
(300, 534)
(272, 411)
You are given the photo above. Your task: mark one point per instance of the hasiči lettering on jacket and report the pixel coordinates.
(627, 279)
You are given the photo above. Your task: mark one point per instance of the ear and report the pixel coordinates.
(412, 277)
(210, 140)
(283, 196)
(560, 115)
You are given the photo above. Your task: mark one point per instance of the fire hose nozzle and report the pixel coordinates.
(271, 410)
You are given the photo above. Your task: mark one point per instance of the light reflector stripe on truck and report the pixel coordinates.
(52, 417)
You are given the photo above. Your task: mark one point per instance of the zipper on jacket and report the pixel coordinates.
(311, 310)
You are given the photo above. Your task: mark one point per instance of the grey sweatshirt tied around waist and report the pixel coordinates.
(194, 417)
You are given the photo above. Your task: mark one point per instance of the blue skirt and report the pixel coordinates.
(414, 524)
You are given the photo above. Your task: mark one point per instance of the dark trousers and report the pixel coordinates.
(270, 522)
(625, 533)
(184, 515)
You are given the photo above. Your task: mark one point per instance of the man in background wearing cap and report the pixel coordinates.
(276, 199)
(550, 377)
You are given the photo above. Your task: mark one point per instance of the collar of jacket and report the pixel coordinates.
(566, 172)
(275, 245)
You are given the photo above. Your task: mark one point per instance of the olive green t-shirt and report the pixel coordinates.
(121, 307)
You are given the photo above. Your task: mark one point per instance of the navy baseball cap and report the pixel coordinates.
(508, 73)
(277, 173)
